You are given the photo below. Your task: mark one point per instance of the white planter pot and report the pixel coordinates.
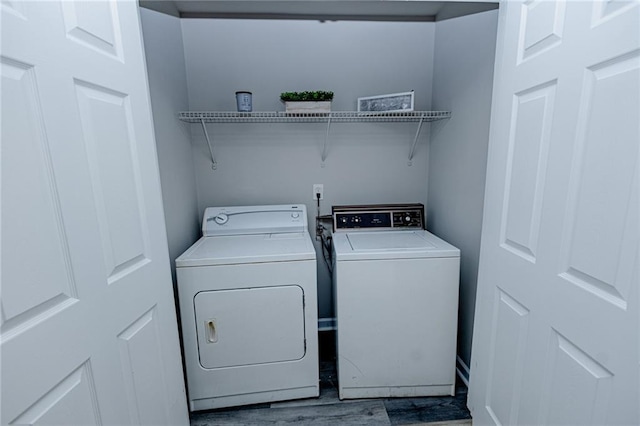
(307, 106)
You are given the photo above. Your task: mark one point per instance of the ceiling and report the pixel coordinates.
(374, 10)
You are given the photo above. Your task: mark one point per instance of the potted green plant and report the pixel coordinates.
(310, 101)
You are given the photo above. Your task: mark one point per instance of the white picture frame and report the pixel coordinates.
(393, 102)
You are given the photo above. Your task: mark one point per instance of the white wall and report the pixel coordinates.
(168, 88)
(279, 163)
(463, 78)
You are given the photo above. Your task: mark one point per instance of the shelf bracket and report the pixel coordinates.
(415, 140)
(326, 140)
(214, 163)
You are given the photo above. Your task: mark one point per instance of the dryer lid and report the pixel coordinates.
(238, 249)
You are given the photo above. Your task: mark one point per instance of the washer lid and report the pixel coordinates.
(391, 240)
(391, 245)
(236, 249)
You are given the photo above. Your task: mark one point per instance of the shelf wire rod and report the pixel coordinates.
(326, 140)
(214, 163)
(415, 140)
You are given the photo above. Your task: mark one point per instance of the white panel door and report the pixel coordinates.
(556, 338)
(88, 332)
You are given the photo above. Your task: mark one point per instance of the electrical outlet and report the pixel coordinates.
(318, 188)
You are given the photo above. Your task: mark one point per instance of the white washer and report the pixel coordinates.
(396, 295)
(247, 293)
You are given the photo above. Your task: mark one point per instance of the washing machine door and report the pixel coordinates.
(250, 326)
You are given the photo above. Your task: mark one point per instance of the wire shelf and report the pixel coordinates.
(310, 117)
(204, 117)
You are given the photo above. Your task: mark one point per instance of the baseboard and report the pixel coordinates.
(463, 370)
(326, 324)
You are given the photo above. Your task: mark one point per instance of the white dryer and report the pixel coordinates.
(396, 296)
(247, 294)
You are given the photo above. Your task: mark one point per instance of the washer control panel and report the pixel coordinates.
(389, 217)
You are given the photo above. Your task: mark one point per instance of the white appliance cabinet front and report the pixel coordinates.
(249, 332)
(397, 322)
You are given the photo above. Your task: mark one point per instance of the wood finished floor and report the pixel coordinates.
(328, 410)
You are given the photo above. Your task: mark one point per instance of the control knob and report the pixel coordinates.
(221, 219)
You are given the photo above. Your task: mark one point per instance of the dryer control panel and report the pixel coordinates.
(378, 216)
